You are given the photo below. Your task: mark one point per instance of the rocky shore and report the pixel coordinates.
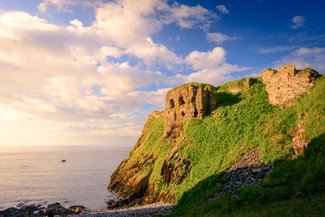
(57, 210)
(38, 210)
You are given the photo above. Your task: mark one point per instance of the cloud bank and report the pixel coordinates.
(76, 83)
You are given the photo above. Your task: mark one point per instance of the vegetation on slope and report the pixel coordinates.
(242, 121)
(296, 187)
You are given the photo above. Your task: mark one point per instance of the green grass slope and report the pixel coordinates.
(241, 122)
(296, 186)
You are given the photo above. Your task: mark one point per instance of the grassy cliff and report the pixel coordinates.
(296, 186)
(188, 170)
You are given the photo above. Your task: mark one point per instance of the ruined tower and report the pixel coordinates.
(186, 102)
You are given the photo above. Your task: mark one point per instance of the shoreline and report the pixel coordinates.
(38, 210)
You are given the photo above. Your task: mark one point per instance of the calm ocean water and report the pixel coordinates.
(36, 175)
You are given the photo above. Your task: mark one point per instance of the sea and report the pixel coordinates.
(36, 175)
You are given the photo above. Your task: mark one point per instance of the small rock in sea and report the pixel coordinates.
(63, 161)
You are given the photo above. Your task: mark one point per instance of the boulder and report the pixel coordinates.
(57, 209)
(12, 212)
(30, 209)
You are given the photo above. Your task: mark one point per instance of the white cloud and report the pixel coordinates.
(202, 60)
(211, 67)
(220, 38)
(65, 5)
(111, 51)
(275, 49)
(125, 22)
(189, 17)
(310, 51)
(77, 23)
(215, 76)
(112, 26)
(297, 22)
(58, 4)
(222, 9)
(157, 97)
(305, 57)
(55, 81)
(155, 54)
(116, 16)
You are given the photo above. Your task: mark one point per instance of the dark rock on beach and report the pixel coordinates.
(23, 210)
(37, 210)
(30, 209)
(57, 209)
(12, 212)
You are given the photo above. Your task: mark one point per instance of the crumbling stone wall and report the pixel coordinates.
(186, 102)
(247, 82)
(287, 83)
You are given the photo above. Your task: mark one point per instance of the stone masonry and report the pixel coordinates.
(287, 83)
(186, 102)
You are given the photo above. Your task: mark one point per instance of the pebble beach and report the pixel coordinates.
(146, 211)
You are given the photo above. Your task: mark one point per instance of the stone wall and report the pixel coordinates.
(186, 102)
(287, 83)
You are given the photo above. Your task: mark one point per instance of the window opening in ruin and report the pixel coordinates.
(181, 100)
(171, 103)
(183, 113)
(195, 113)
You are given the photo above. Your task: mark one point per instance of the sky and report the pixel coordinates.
(88, 72)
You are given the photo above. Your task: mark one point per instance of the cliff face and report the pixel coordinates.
(205, 130)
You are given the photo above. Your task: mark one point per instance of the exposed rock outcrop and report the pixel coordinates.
(175, 168)
(186, 102)
(128, 183)
(287, 83)
(299, 144)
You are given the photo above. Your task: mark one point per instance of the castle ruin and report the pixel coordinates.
(186, 102)
(287, 83)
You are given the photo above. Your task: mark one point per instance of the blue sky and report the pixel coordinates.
(76, 72)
